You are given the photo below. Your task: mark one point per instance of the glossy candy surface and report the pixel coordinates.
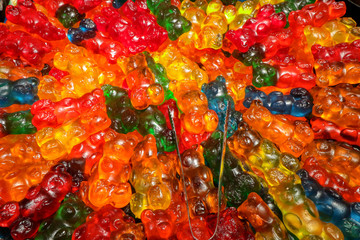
(127, 119)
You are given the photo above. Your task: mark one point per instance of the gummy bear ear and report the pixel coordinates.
(203, 87)
(147, 215)
(221, 79)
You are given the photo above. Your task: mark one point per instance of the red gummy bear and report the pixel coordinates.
(103, 45)
(41, 202)
(199, 229)
(341, 52)
(159, 224)
(332, 180)
(132, 26)
(81, 5)
(256, 29)
(230, 226)
(53, 114)
(100, 224)
(26, 15)
(327, 130)
(315, 15)
(277, 40)
(57, 73)
(21, 44)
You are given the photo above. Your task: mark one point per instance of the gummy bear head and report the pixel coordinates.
(215, 88)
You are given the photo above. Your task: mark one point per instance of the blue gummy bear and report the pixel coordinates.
(218, 99)
(86, 30)
(332, 207)
(298, 103)
(22, 91)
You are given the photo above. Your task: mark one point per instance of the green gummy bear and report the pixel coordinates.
(152, 121)
(18, 122)
(263, 74)
(160, 75)
(68, 15)
(124, 118)
(71, 214)
(169, 17)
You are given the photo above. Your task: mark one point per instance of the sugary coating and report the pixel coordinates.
(146, 178)
(342, 52)
(330, 74)
(332, 208)
(291, 136)
(21, 91)
(327, 130)
(218, 98)
(336, 157)
(22, 166)
(53, 114)
(255, 29)
(56, 143)
(16, 123)
(34, 21)
(169, 17)
(109, 223)
(230, 226)
(71, 214)
(338, 104)
(86, 30)
(238, 183)
(108, 181)
(135, 28)
(298, 103)
(266, 224)
(331, 180)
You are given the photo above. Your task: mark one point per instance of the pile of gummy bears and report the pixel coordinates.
(91, 92)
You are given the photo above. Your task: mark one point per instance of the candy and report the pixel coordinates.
(298, 103)
(169, 120)
(21, 91)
